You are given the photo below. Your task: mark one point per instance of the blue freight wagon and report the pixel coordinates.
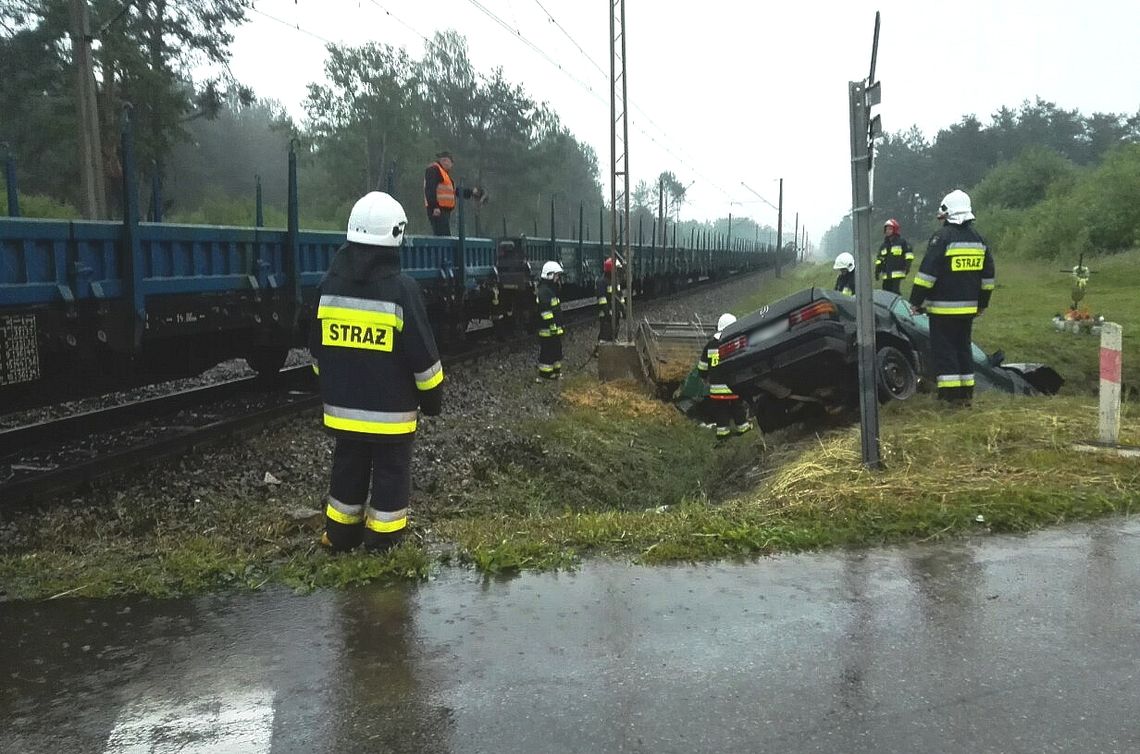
(92, 307)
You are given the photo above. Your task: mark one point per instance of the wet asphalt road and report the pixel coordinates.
(990, 645)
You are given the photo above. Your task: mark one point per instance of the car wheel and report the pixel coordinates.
(896, 377)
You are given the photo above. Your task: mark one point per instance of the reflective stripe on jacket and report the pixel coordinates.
(444, 189)
(956, 277)
(373, 342)
(709, 367)
(895, 257)
(549, 311)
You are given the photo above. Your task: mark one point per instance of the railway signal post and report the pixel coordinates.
(863, 95)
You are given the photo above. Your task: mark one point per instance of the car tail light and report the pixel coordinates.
(811, 311)
(730, 347)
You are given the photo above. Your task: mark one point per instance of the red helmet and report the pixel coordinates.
(608, 265)
(893, 224)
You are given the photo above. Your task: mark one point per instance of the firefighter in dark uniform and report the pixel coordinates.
(845, 280)
(954, 284)
(550, 328)
(895, 257)
(608, 289)
(378, 366)
(439, 194)
(726, 407)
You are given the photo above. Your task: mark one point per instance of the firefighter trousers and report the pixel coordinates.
(350, 517)
(894, 285)
(953, 362)
(727, 412)
(550, 357)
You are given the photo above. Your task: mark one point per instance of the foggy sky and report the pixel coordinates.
(723, 92)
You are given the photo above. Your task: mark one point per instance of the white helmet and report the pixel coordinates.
(377, 220)
(844, 262)
(550, 269)
(725, 320)
(956, 208)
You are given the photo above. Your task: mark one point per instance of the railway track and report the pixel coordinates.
(45, 459)
(52, 456)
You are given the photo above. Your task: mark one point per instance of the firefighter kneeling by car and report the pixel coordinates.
(378, 366)
(726, 407)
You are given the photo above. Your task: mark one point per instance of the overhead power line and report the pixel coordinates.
(294, 27)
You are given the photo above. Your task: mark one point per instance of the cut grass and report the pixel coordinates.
(1007, 461)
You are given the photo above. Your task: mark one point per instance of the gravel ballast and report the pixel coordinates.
(285, 467)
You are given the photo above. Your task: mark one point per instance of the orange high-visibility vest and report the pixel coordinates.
(444, 191)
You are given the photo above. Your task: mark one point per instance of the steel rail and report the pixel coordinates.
(37, 486)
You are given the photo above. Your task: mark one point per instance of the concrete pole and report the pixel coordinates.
(1111, 336)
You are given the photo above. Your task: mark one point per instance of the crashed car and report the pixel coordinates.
(796, 359)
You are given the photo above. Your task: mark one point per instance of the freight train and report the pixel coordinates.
(92, 307)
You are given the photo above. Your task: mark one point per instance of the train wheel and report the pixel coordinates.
(267, 360)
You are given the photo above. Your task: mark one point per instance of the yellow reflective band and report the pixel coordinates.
(554, 301)
(602, 301)
(547, 315)
(361, 316)
(923, 283)
(340, 517)
(385, 527)
(702, 366)
(898, 274)
(544, 368)
(987, 286)
(316, 369)
(370, 422)
(949, 383)
(430, 377)
(952, 309)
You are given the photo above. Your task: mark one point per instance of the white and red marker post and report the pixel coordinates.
(1110, 366)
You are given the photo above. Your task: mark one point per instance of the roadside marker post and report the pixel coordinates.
(1111, 335)
(1111, 363)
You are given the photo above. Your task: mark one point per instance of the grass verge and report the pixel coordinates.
(619, 473)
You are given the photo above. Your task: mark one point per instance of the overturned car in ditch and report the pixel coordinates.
(796, 359)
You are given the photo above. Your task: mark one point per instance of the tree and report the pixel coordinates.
(145, 53)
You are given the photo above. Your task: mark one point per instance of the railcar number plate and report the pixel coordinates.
(19, 349)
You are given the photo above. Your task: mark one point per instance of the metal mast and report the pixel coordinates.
(619, 161)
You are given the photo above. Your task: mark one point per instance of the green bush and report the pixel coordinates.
(36, 206)
(242, 212)
(1077, 212)
(1025, 181)
(1109, 201)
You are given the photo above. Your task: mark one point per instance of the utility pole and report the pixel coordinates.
(660, 207)
(780, 228)
(862, 96)
(619, 161)
(87, 114)
(796, 237)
